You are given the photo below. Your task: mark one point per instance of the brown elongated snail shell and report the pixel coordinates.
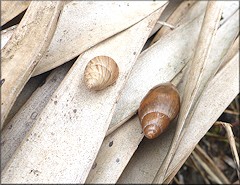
(158, 108)
(100, 72)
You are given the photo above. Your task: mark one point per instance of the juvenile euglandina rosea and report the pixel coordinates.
(100, 72)
(158, 108)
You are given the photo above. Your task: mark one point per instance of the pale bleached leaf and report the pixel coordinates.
(66, 137)
(83, 24)
(32, 37)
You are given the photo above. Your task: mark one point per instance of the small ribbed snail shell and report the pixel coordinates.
(100, 72)
(158, 108)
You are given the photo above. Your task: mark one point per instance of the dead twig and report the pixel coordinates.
(232, 144)
(177, 15)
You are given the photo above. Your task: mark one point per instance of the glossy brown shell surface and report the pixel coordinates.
(158, 108)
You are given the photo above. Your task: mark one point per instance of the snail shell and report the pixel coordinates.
(158, 108)
(100, 72)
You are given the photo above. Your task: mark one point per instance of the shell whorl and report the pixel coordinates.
(158, 108)
(100, 72)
